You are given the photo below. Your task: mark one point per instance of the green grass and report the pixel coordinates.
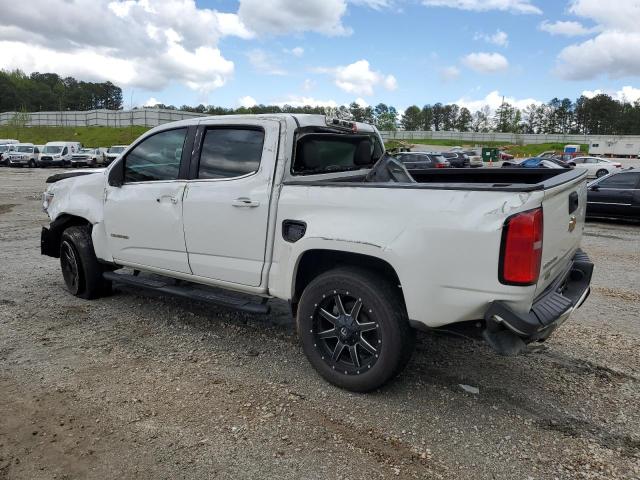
(517, 150)
(88, 136)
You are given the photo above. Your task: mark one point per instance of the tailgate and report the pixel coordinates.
(564, 208)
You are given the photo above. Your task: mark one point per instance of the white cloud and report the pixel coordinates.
(375, 4)
(616, 54)
(308, 84)
(493, 100)
(280, 17)
(499, 38)
(614, 51)
(247, 102)
(358, 78)
(567, 29)
(296, 51)
(514, 6)
(627, 93)
(301, 101)
(483, 62)
(449, 74)
(362, 102)
(264, 62)
(621, 14)
(138, 44)
(152, 102)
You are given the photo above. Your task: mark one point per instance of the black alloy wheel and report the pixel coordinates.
(347, 338)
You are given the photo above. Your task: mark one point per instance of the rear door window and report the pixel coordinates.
(230, 153)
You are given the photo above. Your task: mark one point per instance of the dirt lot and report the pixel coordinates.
(134, 386)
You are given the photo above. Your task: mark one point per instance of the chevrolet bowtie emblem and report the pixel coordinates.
(572, 224)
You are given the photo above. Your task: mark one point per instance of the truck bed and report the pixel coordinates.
(476, 179)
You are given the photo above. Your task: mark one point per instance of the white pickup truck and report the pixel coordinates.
(312, 210)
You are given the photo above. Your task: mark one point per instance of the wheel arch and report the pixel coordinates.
(51, 237)
(317, 261)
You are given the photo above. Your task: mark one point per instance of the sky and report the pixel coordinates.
(332, 52)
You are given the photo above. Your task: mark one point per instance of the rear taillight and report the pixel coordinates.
(441, 165)
(521, 251)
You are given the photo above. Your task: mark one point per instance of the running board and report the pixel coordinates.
(189, 292)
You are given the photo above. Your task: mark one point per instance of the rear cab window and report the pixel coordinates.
(320, 152)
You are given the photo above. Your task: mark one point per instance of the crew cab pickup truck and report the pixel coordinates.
(311, 210)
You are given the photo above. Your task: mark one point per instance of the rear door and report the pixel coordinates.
(564, 209)
(226, 204)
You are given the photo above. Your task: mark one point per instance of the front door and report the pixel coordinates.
(143, 217)
(226, 205)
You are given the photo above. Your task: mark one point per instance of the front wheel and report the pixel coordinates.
(601, 173)
(32, 164)
(81, 270)
(354, 329)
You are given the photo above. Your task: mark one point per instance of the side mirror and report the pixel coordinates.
(116, 173)
(594, 188)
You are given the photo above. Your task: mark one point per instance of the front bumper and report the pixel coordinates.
(551, 308)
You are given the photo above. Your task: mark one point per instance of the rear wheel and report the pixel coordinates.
(354, 328)
(32, 163)
(601, 173)
(81, 270)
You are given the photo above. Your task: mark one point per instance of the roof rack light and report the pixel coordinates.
(339, 123)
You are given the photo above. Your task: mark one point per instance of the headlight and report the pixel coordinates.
(47, 198)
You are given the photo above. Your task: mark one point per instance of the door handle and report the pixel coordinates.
(171, 198)
(245, 202)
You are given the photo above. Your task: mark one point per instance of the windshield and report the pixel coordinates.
(52, 149)
(115, 150)
(24, 149)
(85, 150)
(4, 148)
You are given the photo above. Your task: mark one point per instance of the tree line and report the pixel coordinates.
(599, 115)
(50, 92)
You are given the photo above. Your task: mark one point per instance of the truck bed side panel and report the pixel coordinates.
(443, 244)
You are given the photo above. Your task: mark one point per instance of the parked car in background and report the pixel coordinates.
(423, 160)
(505, 156)
(615, 195)
(24, 155)
(114, 152)
(457, 159)
(88, 157)
(537, 162)
(475, 161)
(4, 153)
(596, 167)
(58, 154)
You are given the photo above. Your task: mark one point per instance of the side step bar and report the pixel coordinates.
(190, 292)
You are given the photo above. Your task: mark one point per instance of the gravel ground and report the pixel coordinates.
(140, 386)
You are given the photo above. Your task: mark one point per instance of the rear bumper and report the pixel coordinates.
(552, 308)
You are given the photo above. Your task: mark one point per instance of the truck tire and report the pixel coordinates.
(32, 163)
(81, 270)
(354, 328)
(601, 173)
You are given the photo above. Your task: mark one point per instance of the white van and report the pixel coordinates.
(58, 153)
(24, 155)
(5, 149)
(8, 141)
